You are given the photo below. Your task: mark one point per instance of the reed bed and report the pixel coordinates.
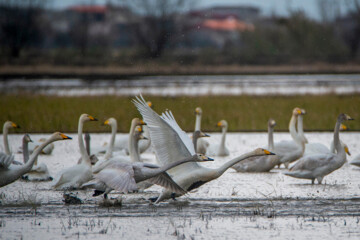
(42, 114)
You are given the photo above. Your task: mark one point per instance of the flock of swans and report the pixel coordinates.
(118, 165)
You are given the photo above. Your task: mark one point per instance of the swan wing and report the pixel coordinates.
(169, 141)
(167, 182)
(5, 160)
(312, 162)
(118, 176)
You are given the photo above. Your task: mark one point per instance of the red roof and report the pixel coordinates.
(88, 8)
(229, 24)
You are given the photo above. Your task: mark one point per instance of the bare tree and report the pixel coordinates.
(20, 24)
(156, 23)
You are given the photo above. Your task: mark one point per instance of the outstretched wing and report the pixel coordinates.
(171, 144)
(167, 182)
(118, 176)
(5, 160)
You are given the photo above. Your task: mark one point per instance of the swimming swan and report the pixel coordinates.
(171, 144)
(219, 149)
(73, 177)
(287, 151)
(319, 165)
(260, 163)
(10, 172)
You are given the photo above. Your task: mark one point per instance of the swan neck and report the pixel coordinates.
(292, 130)
(198, 122)
(337, 143)
(109, 150)
(25, 147)
(85, 159)
(133, 145)
(6, 141)
(270, 138)
(195, 138)
(232, 162)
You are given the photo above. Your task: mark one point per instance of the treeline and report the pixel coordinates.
(162, 38)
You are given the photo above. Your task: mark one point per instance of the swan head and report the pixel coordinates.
(137, 122)
(139, 133)
(27, 138)
(10, 124)
(198, 111)
(344, 117)
(262, 151)
(271, 123)
(202, 158)
(110, 122)
(86, 117)
(60, 136)
(149, 103)
(222, 123)
(298, 111)
(199, 134)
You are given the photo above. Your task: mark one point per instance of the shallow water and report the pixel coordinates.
(192, 85)
(236, 205)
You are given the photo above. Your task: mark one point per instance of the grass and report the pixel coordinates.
(39, 113)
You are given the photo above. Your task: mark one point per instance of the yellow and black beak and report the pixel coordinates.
(106, 123)
(65, 136)
(219, 124)
(347, 151)
(14, 125)
(149, 104)
(205, 158)
(204, 135)
(142, 122)
(92, 118)
(268, 152)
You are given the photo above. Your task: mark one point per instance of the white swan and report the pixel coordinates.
(10, 172)
(219, 149)
(202, 144)
(38, 172)
(8, 125)
(196, 135)
(34, 144)
(124, 176)
(287, 151)
(73, 177)
(171, 144)
(260, 163)
(319, 165)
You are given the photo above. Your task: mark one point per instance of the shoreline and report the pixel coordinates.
(130, 72)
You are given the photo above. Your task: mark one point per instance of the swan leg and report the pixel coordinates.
(319, 179)
(312, 181)
(286, 165)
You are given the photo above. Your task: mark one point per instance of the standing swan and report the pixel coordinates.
(287, 151)
(220, 149)
(319, 165)
(171, 144)
(8, 125)
(202, 144)
(261, 163)
(75, 176)
(10, 173)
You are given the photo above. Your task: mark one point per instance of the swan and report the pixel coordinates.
(171, 144)
(73, 177)
(124, 176)
(202, 144)
(261, 163)
(34, 144)
(196, 135)
(314, 148)
(319, 165)
(38, 172)
(219, 149)
(8, 125)
(356, 161)
(287, 151)
(107, 148)
(10, 172)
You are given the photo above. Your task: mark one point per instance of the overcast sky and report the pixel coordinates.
(279, 7)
